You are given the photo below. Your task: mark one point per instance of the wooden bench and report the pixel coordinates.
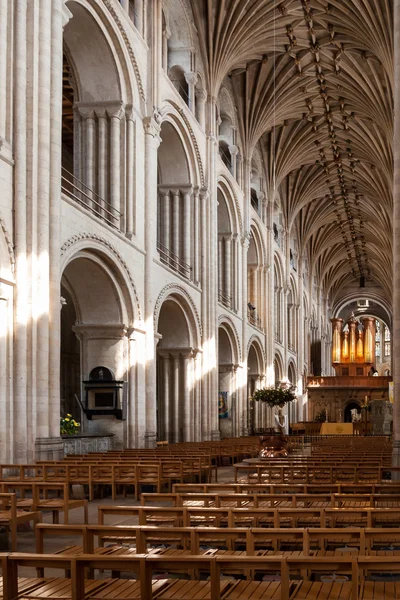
(77, 588)
(11, 517)
(39, 499)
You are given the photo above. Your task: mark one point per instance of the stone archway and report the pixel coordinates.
(348, 409)
(227, 383)
(95, 320)
(255, 379)
(178, 398)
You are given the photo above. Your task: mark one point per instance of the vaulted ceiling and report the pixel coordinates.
(313, 86)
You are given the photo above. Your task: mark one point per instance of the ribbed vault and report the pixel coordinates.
(313, 86)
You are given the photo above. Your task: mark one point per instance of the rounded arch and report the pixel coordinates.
(279, 270)
(188, 307)
(356, 295)
(174, 124)
(257, 251)
(87, 35)
(256, 344)
(226, 324)
(350, 405)
(278, 367)
(100, 249)
(292, 372)
(232, 200)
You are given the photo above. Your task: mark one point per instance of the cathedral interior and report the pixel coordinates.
(198, 201)
(199, 299)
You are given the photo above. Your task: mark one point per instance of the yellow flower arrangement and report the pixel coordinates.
(68, 425)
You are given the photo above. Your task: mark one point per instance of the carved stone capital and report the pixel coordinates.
(114, 331)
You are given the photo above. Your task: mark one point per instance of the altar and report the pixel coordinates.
(336, 429)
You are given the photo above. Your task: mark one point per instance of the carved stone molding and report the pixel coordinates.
(194, 140)
(135, 65)
(225, 320)
(79, 237)
(168, 290)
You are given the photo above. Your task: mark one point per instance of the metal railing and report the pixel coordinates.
(227, 160)
(83, 195)
(171, 260)
(224, 298)
(255, 205)
(253, 318)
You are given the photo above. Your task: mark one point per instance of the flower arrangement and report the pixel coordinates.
(275, 396)
(366, 406)
(68, 425)
(321, 416)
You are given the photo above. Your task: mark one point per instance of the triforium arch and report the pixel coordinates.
(258, 413)
(256, 278)
(293, 380)
(278, 368)
(228, 380)
(97, 319)
(97, 117)
(292, 307)
(279, 299)
(179, 205)
(178, 369)
(228, 247)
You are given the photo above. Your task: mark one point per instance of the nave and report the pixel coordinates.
(316, 524)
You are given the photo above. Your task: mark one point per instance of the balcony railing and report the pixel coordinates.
(253, 318)
(224, 298)
(174, 262)
(83, 195)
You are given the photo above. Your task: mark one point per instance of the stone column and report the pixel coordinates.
(234, 152)
(5, 404)
(78, 148)
(187, 199)
(167, 393)
(165, 38)
(187, 408)
(196, 218)
(213, 426)
(102, 161)
(20, 453)
(139, 16)
(220, 264)
(176, 195)
(166, 213)
(115, 115)
(130, 168)
(201, 98)
(89, 158)
(235, 265)
(131, 433)
(177, 417)
(191, 80)
(204, 269)
(4, 58)
(152, 142)
(228, 267)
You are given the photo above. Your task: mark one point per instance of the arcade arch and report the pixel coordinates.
(178, 210)
(96, 319)
(178, 389)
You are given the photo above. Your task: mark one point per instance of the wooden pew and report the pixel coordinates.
(11, 517)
